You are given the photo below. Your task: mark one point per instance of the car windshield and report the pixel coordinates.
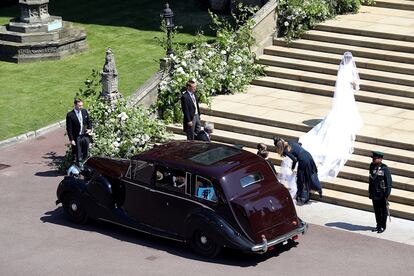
(214, 155)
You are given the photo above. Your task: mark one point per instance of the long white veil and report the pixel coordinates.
(347, 77)
(331, 142)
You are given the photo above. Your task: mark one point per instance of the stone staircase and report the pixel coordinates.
(297, 90)
(395, 4)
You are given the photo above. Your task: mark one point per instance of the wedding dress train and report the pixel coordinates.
(331, 142)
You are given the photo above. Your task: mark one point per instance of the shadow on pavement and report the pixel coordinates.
(349, 226)
(54, 162)
(227, 256)
(51, 173)
(312, 122)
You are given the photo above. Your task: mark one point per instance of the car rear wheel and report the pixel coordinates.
(74, 209)
(203, 243)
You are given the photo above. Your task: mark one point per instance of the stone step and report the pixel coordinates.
(27, 37)
(268, 132)
(319, 89)
(325, 79)
(363, 203)
(395, 4)
(369, 69)
(380, 58)
(357, 174)
(361, 188)
(328, 27)
(64, 36)
(361, 41)
(400, 150)
(81, 46)
(332, 69)
(250, 141)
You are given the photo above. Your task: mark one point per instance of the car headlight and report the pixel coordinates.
(73, 171)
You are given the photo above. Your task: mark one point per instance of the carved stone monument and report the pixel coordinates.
(109, 78)
(36, 35)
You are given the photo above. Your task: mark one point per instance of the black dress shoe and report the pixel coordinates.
(320, 193)
(380, 230)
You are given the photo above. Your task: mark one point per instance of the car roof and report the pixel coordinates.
(210, 158)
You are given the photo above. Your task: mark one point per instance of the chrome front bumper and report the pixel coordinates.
(262, 248)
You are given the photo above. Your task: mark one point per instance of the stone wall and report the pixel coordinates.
(148, 92)
(264, 29)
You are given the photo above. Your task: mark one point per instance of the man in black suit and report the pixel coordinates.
(78, 127)
(205, 134)
(191, 110)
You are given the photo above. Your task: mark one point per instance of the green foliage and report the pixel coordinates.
(119, 130)
(225, 66)
(91, 85)
(297, 16)
(344, 6)
(122, 131)
(368, 2)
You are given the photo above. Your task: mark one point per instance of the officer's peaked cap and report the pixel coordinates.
(377, 154)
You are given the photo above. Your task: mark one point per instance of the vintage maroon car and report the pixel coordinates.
(209, 195)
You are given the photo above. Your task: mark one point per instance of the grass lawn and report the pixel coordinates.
(37, 94)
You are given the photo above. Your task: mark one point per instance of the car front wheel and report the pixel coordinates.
(203, 243)
(73, 209)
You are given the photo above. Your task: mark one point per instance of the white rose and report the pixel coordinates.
(286, 24)
(180, 70)
(122, 116)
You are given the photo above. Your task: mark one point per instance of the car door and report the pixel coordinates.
(170, 201)
(137, 182)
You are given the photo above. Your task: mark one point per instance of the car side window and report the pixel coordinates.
(140, 171)
(171, 180)
(204, 189)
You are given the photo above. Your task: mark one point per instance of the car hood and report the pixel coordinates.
(267, 214)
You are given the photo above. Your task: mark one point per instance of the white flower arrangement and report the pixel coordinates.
(224, 66)
(295, 16)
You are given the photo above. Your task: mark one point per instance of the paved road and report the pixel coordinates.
(36, 240)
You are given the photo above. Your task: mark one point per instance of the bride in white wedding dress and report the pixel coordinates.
(331, 142)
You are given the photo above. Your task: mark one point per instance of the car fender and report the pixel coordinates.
(70, 184)
(100, 189)
(224, 233)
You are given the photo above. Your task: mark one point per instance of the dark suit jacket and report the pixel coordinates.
(73, 126)
(203, 136)
(380, 181)
(188, 108)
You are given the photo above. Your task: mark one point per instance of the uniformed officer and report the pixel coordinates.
(380, 183)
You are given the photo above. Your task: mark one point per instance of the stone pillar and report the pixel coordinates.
(32, 11)
(109, 79)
